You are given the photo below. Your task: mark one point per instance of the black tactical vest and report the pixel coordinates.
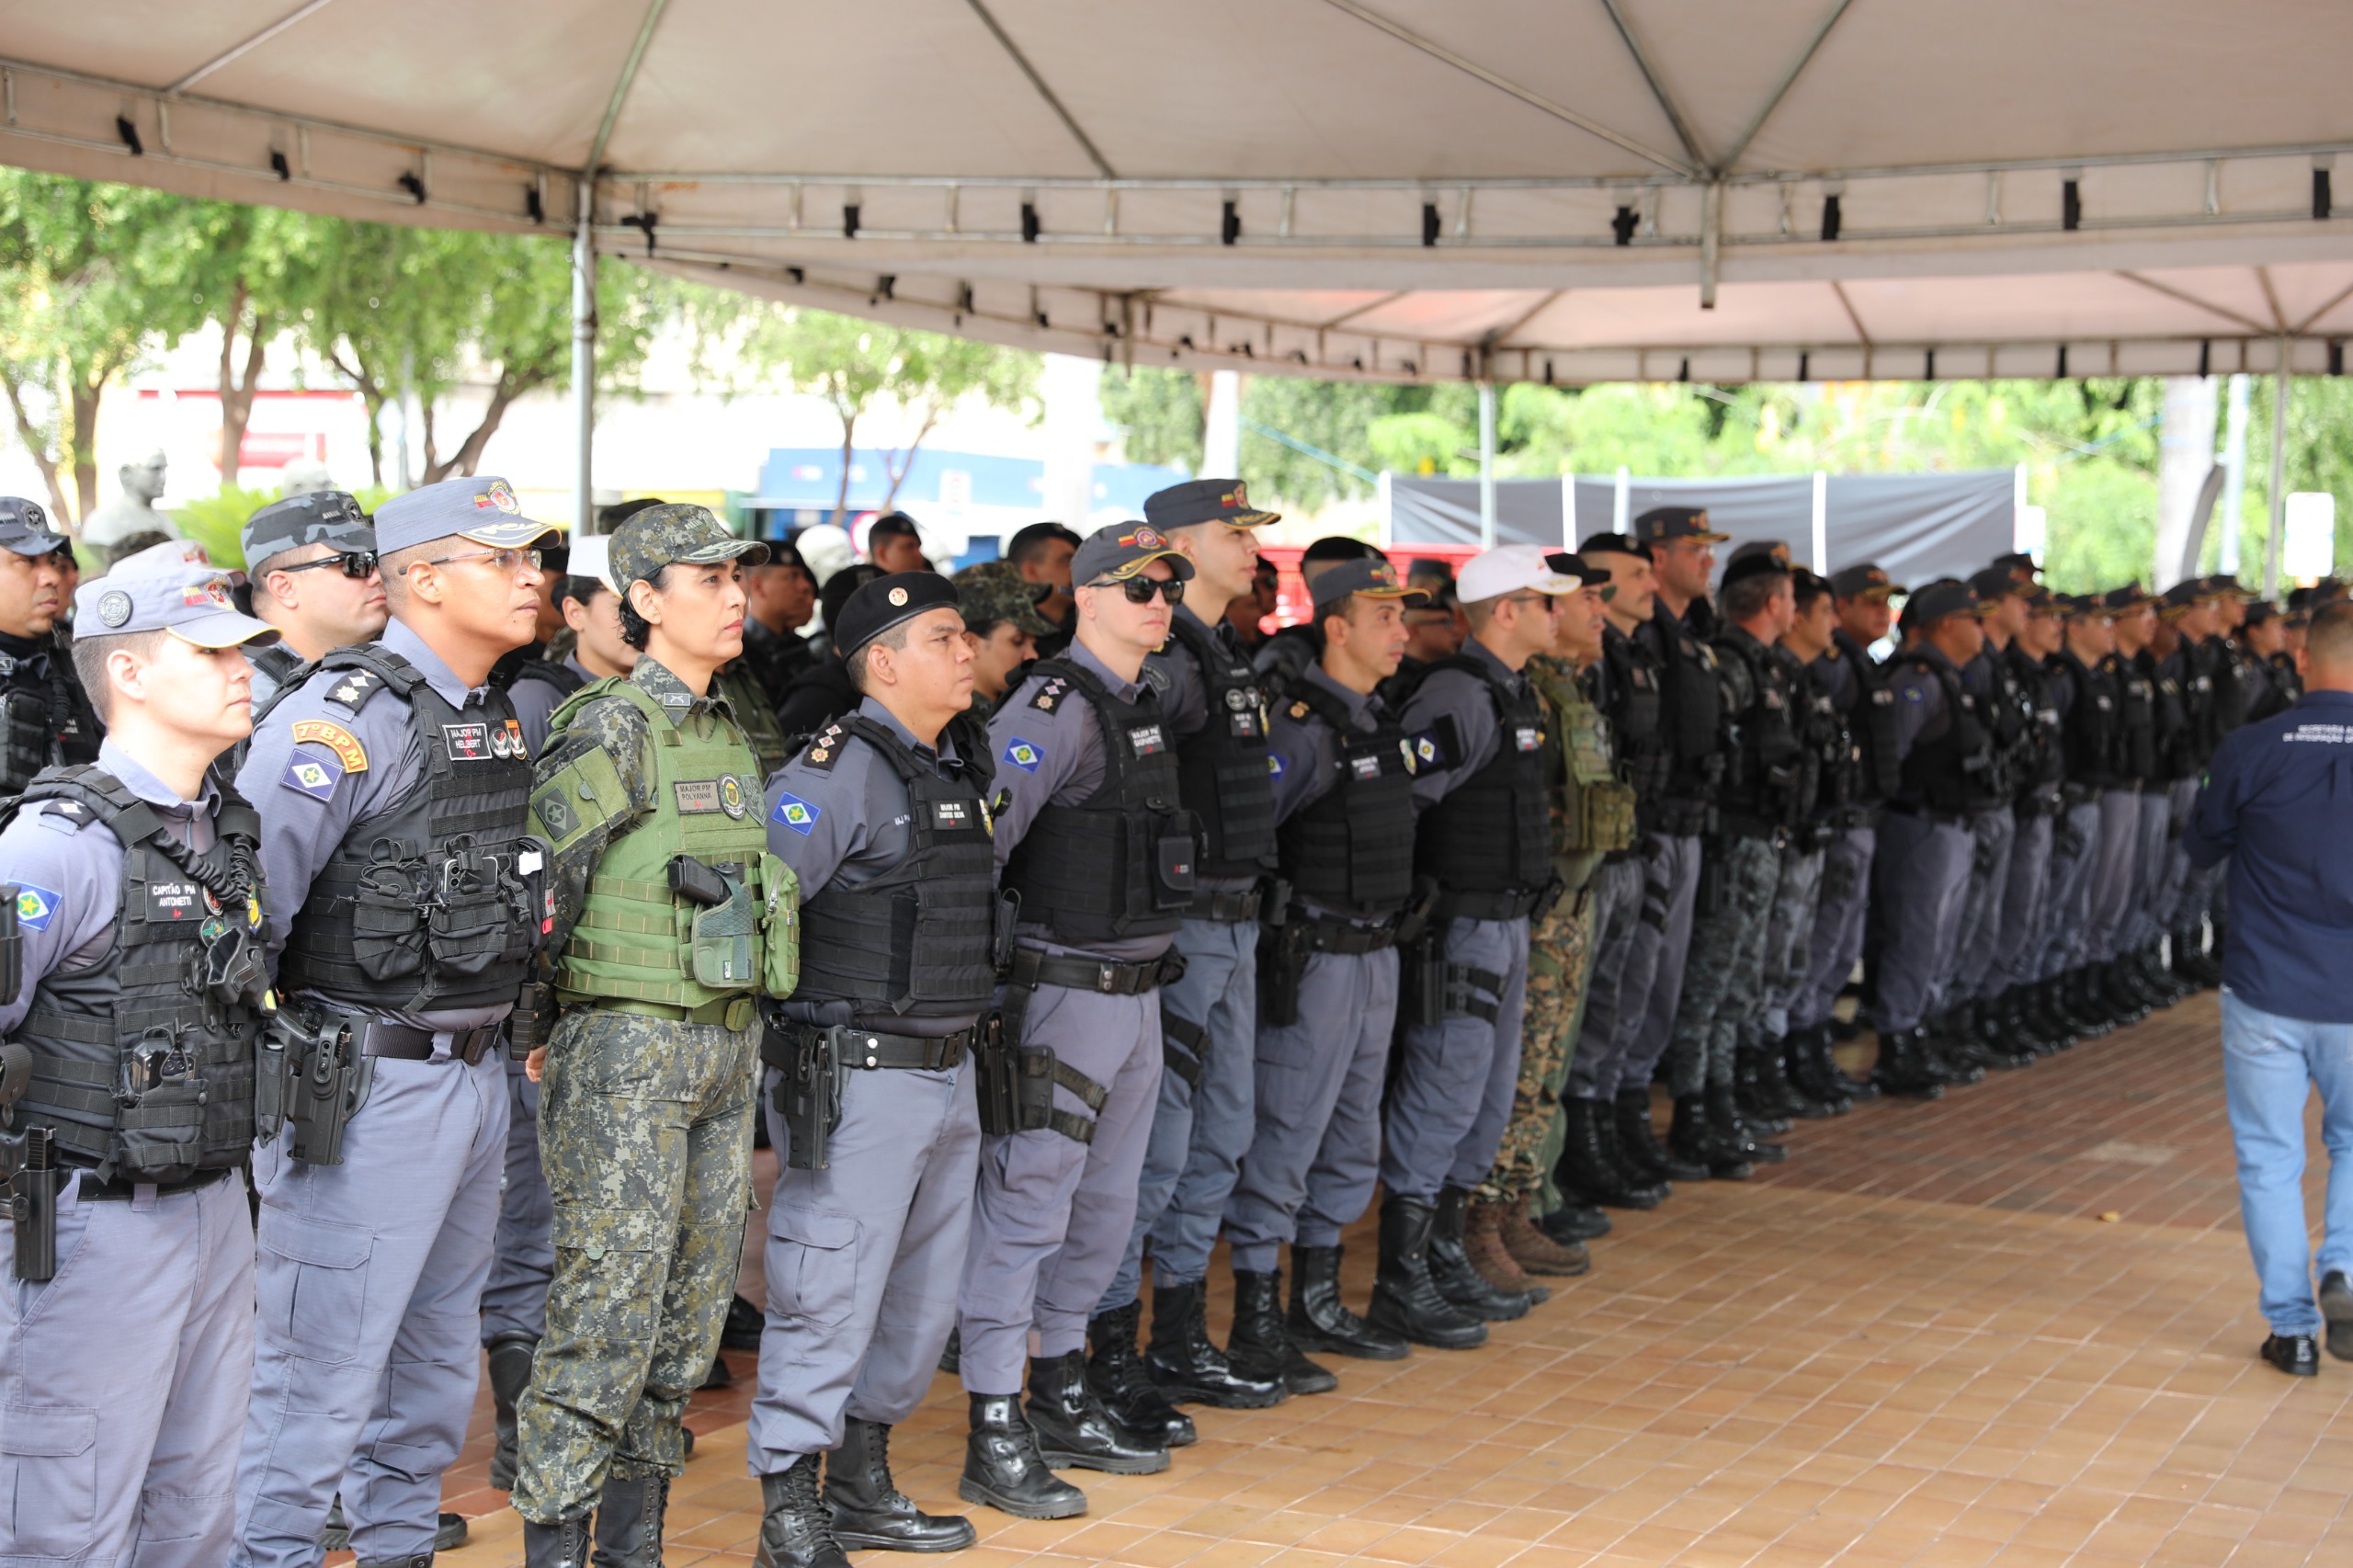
(1692, 714)
(2092, 739)
(1637, 715)
(278, 662)
(440, 903)
(1120, 863)
(1769, 780)
(1221, 771)
(2137, 753)
(2235, 687)
(2042, 763)
(1871, 718)
(2176, 720)
(1954, 772)
(1351, 850)
(2009, 714)
(1492, 832)
(138, 1069)
(48, 722)
(1823, 732)
(915, 940)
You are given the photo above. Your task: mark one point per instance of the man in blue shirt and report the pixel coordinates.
(2278, 802)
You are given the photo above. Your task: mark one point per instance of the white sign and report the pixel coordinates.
(2308, 550)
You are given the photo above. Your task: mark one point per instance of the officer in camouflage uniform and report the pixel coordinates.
(1001, 617)
(669, 917)
(1593, 813)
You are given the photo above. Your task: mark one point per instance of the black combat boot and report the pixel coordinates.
(418, 1560)
(1319, 1320)
(509, 1373)
(1733, 1132)
(1125, 1389)
(951, 1358)
(2175, 987)
(1459, 1281)
(1999, 1027)
(1405, 1299)
(1692, 1141)
(1572, 1223)
(1585, 1169)
(1815, 1075)
(1950, 1054)
(1902, 1068)
(563, 1546)
(449, 1532)
(1751, 1095)
(2126, 1002)
(2192, 961)
(2071, 995)
(1074, 1432)
(2046, 1017)
(1638, 1141)
(796, 1529)
(1260, 1347)
(870, 1514)
(630, 1512)
(1004, 1469)
(1778, 1064)
(1642, 1191)
(1187, 1364)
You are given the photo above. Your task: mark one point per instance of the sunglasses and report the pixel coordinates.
(1141, 589)
(354, 564)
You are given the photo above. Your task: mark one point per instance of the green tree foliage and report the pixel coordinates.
(1159, 411)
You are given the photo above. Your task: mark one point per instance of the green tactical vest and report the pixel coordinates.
(755, 717)
(639, 946)
(1593, 810)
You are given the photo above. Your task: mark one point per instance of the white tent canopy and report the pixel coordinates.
(1403, 189)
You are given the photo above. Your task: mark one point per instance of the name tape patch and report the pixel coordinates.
(696, 796)
(467, 743)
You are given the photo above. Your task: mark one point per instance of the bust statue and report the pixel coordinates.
(132, 512)
(305, 479)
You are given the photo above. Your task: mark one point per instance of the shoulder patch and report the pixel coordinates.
(37, 906)
(1023, 755)
(1275, 764)
(336, 739)
(795, 814)
(352, 689)
(1914, 693)
(315, 774)
(825, 749)
(1050, 695)
(72, 816)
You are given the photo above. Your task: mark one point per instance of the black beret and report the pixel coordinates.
(1761, 564)
(882, 603)
(1614, 544)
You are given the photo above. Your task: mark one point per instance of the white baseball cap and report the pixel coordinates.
(592, 556)
(1517, 568)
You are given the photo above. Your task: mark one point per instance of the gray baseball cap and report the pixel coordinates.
(24, 527)
(483, 510)
(331, 517)
(188, 598)
(1118, 552)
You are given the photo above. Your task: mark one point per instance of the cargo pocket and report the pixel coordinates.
(313, 1286)
(387, 930)
(606, 1268)
(49, 1469)
(812, 1267)
(470, 932)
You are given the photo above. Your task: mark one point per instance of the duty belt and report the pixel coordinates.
(1229, 907)
(871, 1049)
(1326, 935)
(1032, 968)
(402, 1043)
(119, 1190)
(1511, 905)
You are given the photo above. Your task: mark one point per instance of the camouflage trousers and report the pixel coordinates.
(1560, 959)
(645, 1132)
(1724, 977)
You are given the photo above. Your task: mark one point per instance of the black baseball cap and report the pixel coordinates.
(2123, 600)
(1777, 548)
(884, 602)
(1614, 544)
(1994, 584)
(835, 596)
(1939, 601)
(1661, 525)
(1863, 578)
(1223, 501)
(1760, 565)
(888, 523)
(1374, 578)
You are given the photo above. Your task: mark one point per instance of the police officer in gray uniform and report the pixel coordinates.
(126, 1321)
(1091, 835)
(409, 904)
(882, 818)
(312, 562)
(1343, 773)
(1217, 716)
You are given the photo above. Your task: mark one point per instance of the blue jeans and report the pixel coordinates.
(2269, 1064)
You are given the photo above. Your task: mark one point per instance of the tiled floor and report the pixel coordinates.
(2014, 1327)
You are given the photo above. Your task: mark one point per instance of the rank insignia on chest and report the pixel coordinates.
(1145, 740)
(355, 689)
(467, 743)
(1299, 709)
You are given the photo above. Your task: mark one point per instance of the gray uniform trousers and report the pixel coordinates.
(1053, 1216)
(2113, 876)
(123, 1381)
(1920, 876)
(1198, 1134)
(863, 1260)
(1788, 938)
(2067, 906)
(2017, 935)
(1726, 968)
(515, 1300)
(1967, 970)
(2168, 902)
(1653, 984)
(1452, 1096)
(2152, 849)
(1316, 1152)
(1600, 1055)
(1836, 939)
(370, 1275)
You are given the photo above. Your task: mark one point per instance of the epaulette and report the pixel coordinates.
(352, 689)
(1049, 694)
(75, 812)
(826, 748)
(1159, 679)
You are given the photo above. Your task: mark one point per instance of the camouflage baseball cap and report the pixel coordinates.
(648, 541)
(986, 597)
(330, 517)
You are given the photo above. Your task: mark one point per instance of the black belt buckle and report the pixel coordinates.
(1107, 977)
(477, 1043)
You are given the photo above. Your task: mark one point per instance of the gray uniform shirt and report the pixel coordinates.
(1057, 757)
(847, 824)
(1919, 700)
(1476, 730)
(69, 874)
(535, 702)
(299, 831)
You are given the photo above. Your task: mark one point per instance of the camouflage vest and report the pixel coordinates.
(1593, 810)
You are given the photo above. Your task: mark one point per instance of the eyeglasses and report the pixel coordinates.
(354, 564)
(1141, 589)
(510, 562)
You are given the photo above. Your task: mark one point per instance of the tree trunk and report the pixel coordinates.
(80, 440)
(37, 443)
(841, 496)
(897, 471)
(236, 398)
(468, 457)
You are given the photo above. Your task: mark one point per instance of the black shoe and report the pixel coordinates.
(1758, 1108)
(1004, 1469)
(508, 1374)
(2298, 1355)
(1125, 1389)
(2336, 1306)
(1641, 1190)
(1462, 1284)
(557, 1545)
(1784, 1063)
(448, 1530)
(420, 1560)
(1952, 1057)
(1691, 1141)
(1638, 1141)
(629, 1513)
(1405, 1299)
(1815, 1073)
(1575, 1222)
(1074, 1432)
(870, 1514)
(1588, 1169)
(1260, 1345)
(1187, 1364)
(2079, 1004)
(1319, 1320)
(746, 1324)
(952, 1359)
(1902, 1068)
(1732, 1130)
(796, 1529)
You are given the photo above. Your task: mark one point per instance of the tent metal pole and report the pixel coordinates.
(1486, 465)
(2272, 546)
(584, 349)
